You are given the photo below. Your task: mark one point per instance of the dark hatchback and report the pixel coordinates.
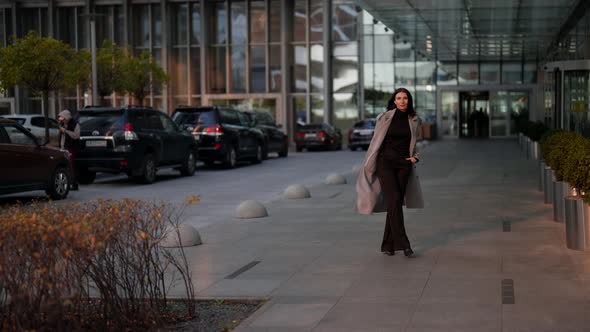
(318, 136)
(360, 135)
(27, 165)
(133, 140)
(223, 134)
(275, 140)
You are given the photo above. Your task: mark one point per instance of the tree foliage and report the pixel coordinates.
(109, 61)
(139, 74)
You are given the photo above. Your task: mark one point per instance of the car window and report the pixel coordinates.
(3, 136)
(39, 121)
(193, 119)
(20, 121)
(16, 135)
(229, 117)
(268, 120)
(169, 126)
(244, 120)
(139, 120)
(154, 122)
(104, 122)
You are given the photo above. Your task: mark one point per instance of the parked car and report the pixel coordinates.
(318, 136)
(275, 140)
(35, 123)
(134, 140)
(223, 134)
(28, 165)
(360, 135)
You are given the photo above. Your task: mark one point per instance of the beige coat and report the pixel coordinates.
(368, 188)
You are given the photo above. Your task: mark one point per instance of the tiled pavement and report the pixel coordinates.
(320, 267)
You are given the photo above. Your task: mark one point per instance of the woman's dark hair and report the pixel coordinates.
(391, 101)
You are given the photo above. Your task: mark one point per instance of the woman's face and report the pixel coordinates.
(401, 101)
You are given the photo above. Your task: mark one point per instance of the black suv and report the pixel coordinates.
(274, 138)
(135, 140)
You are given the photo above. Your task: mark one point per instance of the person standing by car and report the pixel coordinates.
(389, 170)
(69, 139)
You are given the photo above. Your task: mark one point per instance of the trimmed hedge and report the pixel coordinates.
(576, 168)
(534, 130)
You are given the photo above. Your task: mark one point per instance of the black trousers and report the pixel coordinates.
(393, 174)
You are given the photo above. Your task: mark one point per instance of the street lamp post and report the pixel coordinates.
(92, 20)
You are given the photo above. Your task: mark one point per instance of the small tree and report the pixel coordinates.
(43, 65)
(109, 60)
(139, 74)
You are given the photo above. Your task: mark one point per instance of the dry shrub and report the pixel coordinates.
(65, 266)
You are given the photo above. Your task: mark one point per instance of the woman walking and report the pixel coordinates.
(388, 175)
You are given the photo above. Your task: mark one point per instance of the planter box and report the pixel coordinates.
(577, 223)
(561, 190)
(548, 181)
(535, 151)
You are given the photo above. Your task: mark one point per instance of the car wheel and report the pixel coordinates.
(259, 155)
(189, 165)
(231, 158)
(59, 184)
(148, 170)
(285, 151)
(86, 177)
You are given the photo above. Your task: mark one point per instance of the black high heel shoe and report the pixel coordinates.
(408, 252)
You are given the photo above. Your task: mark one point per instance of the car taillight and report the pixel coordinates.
(213, 131)
(299, 135)
(130, 135)
(321, 134)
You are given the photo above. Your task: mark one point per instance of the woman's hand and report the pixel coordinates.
(412, 159)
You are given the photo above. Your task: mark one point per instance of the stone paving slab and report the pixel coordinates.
(318, 262)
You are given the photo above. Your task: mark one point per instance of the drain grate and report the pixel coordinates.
(242, 270)
(507, 291)
(506, 226)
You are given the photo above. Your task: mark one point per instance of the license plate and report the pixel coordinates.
(309, 135)
(366, 132)
(197, 137)
(96, 144)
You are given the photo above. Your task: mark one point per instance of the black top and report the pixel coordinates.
(396, 144)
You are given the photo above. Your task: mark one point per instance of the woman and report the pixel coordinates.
(389, 174)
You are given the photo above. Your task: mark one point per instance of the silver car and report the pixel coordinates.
(35, 123)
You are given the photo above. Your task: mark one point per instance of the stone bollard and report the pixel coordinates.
(296, 191)
(335, 179)
(186, 235)
(251, 209)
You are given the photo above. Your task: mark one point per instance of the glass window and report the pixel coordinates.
(218, 23)
(217, 70)
(384, 48)
(450, 110)
(195, 24)
(195, 75)
(238, 22)
(104, 23)
(238, 68)
(179, 31)
(300, 59)
(447, 74)
(345, 74)
(29, 21)
(275, 21)
(300, 110)
(157, 25)
(530, 73)
(468, 73)
(511, 73)
(316, 21)
(141, 26)
(344, 22)
(66, 26)
(257, 69)
(317, 68)
(317, 109)
(257, 21)
(2, 30)
(345, 111)
(490, 73)
(275, 72)
(178, 71)
(425, 72)
(300, 21)
(119, 26)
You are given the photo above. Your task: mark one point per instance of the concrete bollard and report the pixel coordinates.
(251, 209)
(186, 235)
(296, 191)
(335, 179)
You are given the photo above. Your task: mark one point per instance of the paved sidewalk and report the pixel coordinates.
(320, 266)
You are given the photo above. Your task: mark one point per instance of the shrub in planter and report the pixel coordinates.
(548, 140)
(577, 166)
(563, 146)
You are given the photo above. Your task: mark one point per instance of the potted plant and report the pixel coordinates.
(546, 143)
(576, 171)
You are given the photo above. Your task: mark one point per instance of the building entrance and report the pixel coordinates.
(474, 120)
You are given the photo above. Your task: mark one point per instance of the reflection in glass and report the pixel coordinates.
(275, 21)
(141, 26)
(317, 109)
(119, 27)
(275, 68)
(447, 74)
(157, 26)
(195, 73)
(425, 71)
(317, 68)
(300, 22)
(195, 24)
(468, 73)
(345, 74)
(511, 73)
(238, 22)
(490, 73)
(450, 109)
(257, 21)
(299, 110)
(499, 105)
(179, 31)
(218, 23)
(425, 104)
(316, 21)
(345, 112)
(300, 58)
(238, 68)
(344, 22)
(530, 73)
(217, 70)
(257, 69)
(384, 48)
